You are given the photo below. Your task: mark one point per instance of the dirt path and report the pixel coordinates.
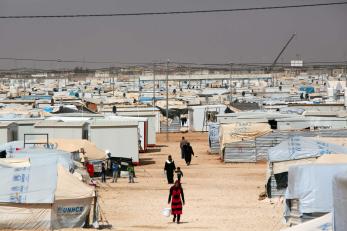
(218, 196)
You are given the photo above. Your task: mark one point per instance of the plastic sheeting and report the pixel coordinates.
(24, 216)
(323, 223)
(28, 184)
(298, 147)
(312, 186)
(340, 201)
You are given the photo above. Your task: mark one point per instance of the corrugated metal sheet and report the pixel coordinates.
(243, 151)
(175, 126)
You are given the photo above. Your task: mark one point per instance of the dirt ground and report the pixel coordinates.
(218, 196)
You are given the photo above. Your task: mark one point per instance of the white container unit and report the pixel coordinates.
(61, 129)
(131, 111)
(151, 118)
(8, 132)
(200, 116)
(119, 137)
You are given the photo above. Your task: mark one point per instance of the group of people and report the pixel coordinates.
(176, 195)
(186, 151)
(116, 171)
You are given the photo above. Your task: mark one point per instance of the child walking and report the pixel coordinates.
(131, 173)
(179, 173)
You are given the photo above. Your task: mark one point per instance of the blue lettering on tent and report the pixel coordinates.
(70, 210)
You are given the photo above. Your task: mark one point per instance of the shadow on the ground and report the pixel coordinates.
(152, 150)
(146, 161)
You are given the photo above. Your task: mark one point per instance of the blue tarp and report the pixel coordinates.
(307, 89)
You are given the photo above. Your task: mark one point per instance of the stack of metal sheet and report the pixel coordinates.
(244, 151)
(175, 126)
(213, 138)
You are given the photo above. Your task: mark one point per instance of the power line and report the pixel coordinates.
(161, 63)
(172, 12)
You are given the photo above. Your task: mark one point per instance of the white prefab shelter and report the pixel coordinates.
(141, 111)
(199, 117)
(60, 129)
(142, 129)
(120, 137)
(8, 132)
(25, 127)
(32, 200)
(152, 124)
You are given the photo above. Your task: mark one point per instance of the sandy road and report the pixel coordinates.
(218, 196)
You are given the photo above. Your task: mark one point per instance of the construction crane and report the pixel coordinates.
(279, 55)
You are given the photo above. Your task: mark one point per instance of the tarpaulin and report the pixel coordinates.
(312, 185)
(298, 147)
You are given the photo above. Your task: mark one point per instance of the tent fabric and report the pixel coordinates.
(312, 186)
(28, 184)
(70, 187)
(236, 132)
(323, 223)
(42, 196)
(340, 201)
(25, 216)
(298, 147)
(73, 145)
(42, 155)
(14, 163)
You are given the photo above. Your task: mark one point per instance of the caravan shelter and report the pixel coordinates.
(119, 137)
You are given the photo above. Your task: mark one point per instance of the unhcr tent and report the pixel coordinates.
(42, 196)
(293, 151)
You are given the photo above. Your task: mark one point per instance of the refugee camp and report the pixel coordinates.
(188, 115)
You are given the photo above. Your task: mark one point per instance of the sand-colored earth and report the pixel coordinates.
(218, 196)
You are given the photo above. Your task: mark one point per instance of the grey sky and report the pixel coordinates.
(255, 36)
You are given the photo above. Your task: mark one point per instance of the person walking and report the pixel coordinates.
(115, 170)
(103, 173)
(131, 172)
(169, 168)
(179, 174)
(188, 152)
(176, 197)
(182, 143)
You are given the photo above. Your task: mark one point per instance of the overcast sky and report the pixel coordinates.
(255, 36)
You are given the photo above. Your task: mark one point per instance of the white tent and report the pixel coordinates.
(319, 224)
(311, 185)
(30, 199)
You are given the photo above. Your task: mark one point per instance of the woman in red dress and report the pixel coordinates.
(176, 193)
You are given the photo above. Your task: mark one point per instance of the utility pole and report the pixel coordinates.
(113, 80)
(153, 84)
(167, 100)
(230, 78)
